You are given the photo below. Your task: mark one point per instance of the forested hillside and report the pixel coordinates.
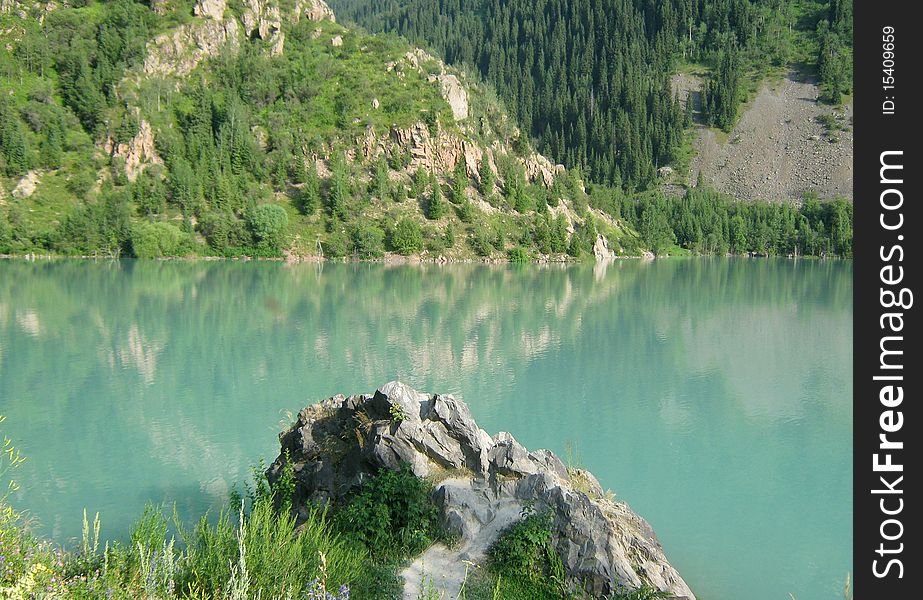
(264, 128)
(590, 79)
(260, 128)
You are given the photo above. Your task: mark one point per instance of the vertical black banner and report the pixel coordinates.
(887, 372)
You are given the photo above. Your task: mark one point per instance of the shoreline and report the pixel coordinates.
(403, 260)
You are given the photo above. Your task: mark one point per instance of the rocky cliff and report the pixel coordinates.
(482, 484)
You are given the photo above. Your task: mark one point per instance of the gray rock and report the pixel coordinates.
(482, 484)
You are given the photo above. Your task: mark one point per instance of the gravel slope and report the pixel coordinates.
(779, 150)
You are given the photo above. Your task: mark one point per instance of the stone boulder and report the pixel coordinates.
(481, 483)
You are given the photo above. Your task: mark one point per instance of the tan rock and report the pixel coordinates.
(138, 153)
(455, 94)
(179, 52)
(315, 10)
(337, 41)
(213, 9)
(601, 249)
(541, 170)
(26, 186)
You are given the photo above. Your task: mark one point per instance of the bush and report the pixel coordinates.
(407, 237)
(80, 183)
(368, 240)
(518, 255)
(267, 223)
(525, 558)
(6, 233)
(466, 211)
(223, 231)
(392, 515)
(153, 240)
(480, 241)
(335, 246)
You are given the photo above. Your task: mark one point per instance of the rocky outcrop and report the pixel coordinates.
(179, 52)
(336, 444)
(435, 70)
(210, 8)
(26, 185)
(314, 10)
(138, 153)
(265, 18)
(261, 17)
(540, 169)
(455, 94)
(437, 153)
(601, 248)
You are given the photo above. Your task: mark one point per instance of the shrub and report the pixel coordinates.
(518, 255)
(267, 222)
(480, 241)
(80, 183)
(153, 240)
(525, 558)
(407, 237)
(335, 246)
(368, 240)
(392, 515)
(466, 211)
(223, 231)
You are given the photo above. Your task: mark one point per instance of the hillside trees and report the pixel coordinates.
(588, 80)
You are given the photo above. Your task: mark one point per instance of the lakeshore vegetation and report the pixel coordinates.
(237, 139)
(254, 548)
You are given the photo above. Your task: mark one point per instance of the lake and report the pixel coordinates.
(713, 395)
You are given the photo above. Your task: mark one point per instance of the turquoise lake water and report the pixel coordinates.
(714, 395)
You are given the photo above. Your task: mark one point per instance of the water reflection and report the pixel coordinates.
(713, 394)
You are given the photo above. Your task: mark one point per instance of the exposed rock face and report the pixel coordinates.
(23, 9)
(137, 153)
(338, 443)
(262, 17)
(210, 8)
(26, 186)
(314, 10)
(437, 153)
(601, 248)
(179, 52)
(540, 169)
(160, 7)
(455, 95)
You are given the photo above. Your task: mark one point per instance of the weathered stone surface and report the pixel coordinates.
(601, 248)
(482, 485)
(314, 10)
(213, 9)
(139, 153)
(26, 185)
(455, 94)
(179, 52)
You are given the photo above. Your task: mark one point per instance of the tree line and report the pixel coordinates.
(706, 222)
(589, 80)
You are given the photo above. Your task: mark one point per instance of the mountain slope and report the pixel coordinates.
(262, 127)
(589, 79)
(265, 128)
